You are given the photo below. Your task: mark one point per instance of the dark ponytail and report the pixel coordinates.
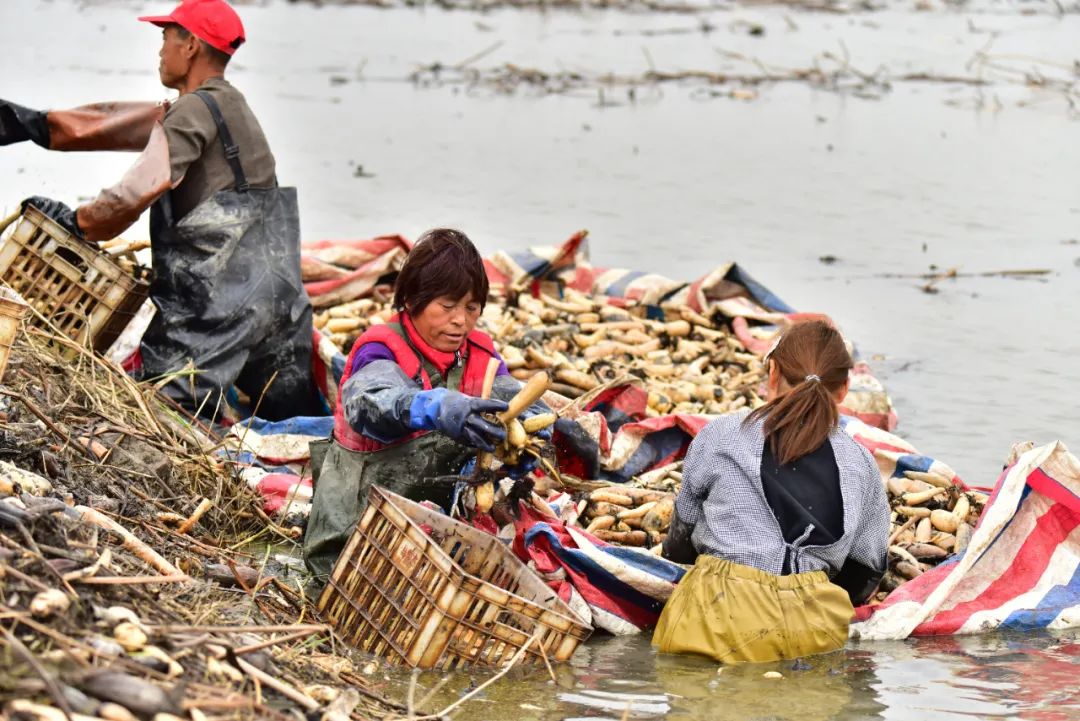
(814, 363)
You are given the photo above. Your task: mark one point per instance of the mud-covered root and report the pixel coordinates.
(943, 520)
(624, 538)
(658, 519)
(600, 523)
(617, 514)
(485, 496)
(516, 437)
(933, 519)
(521, 435)
(530, 393)
(537, 423)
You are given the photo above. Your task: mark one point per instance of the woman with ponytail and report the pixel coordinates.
(783, 515)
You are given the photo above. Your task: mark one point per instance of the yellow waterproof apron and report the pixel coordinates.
(736, 614)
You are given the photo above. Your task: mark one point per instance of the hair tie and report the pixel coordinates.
(813, 377)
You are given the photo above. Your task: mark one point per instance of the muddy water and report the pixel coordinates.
(916, 177)
(992, 676)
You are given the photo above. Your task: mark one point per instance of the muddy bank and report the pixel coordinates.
(126, 565)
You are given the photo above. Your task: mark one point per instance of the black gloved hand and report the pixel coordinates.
(679, 544)
(861, 582)
(18, 123)
(458, 416)
(59, 212)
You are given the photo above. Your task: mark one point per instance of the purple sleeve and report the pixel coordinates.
(502, 365)
(370, 352)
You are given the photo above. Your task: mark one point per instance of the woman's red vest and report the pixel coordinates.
(477, 350)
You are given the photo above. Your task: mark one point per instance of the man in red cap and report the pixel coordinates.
(199, 38)
(224, 236)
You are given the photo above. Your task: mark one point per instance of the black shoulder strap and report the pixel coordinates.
(232, 152)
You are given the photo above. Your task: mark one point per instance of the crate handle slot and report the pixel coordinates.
(61, 259)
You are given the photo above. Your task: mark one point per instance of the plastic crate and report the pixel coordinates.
(81, 291)
(12, 312)
(422, 589)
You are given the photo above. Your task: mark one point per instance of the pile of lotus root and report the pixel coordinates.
(932, 519)
(690, 363)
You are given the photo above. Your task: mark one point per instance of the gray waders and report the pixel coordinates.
(342, 477)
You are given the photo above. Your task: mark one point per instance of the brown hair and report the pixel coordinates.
(443, 262)
(798, 421)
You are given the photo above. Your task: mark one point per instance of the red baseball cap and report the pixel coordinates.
(211, 20)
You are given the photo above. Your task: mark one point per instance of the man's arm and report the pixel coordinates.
(173, 146)
(116, 208)
(101, 126)
(104, 126)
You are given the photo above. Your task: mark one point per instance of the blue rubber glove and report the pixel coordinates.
(469, 468)
(523, 467)
(458, 416)
(60, 212)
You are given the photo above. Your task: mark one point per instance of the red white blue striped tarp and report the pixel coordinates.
(1020, 571)
(616, 589)
(337, 271)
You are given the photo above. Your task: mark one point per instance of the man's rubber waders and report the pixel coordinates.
(230, 299)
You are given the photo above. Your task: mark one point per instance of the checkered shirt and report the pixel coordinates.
(723, 499)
